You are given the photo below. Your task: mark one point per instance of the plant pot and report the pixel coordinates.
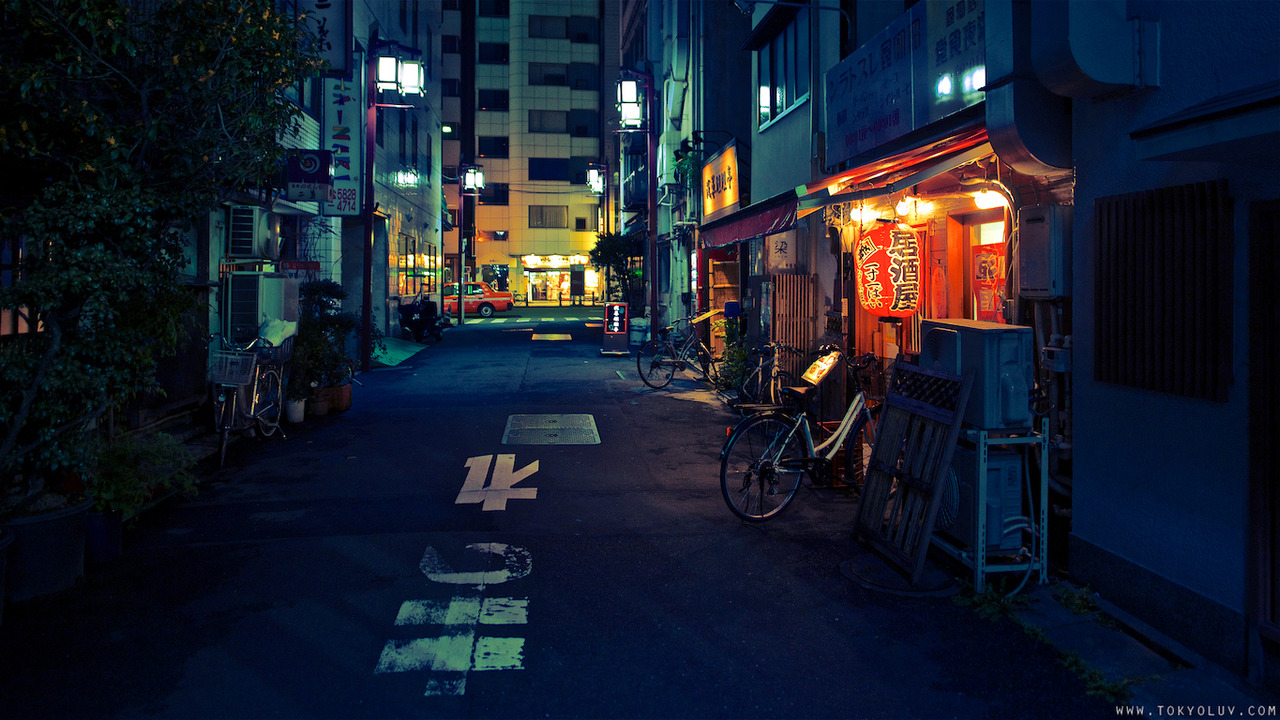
(6, 538)
(295, 410)
(319, 405)
(104, 535)
(47, 554)
(340, 398)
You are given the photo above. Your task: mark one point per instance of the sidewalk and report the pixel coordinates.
(1119, 657)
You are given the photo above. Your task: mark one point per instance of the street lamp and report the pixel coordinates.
(471, 182)
(382, 72)
(636, 111)
(598, 183)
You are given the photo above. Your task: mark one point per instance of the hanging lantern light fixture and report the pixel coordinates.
(887, 264)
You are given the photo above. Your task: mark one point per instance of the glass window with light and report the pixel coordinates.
(548, 216)
(782, 70)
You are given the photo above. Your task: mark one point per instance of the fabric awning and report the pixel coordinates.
(766, 218)
(963, 139)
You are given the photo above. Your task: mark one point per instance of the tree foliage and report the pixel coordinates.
(125, 121)
(613, 253)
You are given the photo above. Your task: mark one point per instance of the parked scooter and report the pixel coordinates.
(421, 319)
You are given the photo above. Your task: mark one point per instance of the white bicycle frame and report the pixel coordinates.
(831, 446)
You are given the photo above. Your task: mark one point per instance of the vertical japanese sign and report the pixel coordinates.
(615, 330)
(887, 260)
(989, 282)
(340, 135)
(720, 183)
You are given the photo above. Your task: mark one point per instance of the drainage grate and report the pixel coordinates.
(579, 429)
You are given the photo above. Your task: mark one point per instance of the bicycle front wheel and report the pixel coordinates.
(269, 401)
(759, 466)
(656, 363)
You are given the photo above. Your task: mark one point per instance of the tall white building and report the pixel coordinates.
(526, 106)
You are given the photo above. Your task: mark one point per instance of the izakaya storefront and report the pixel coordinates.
(932, 233)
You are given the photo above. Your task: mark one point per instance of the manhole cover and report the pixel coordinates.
(579, 429)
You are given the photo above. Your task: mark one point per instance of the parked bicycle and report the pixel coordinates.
(677, 347)
(762, 387)
(767, 453)
(248, 388)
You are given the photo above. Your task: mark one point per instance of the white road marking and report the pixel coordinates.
(465, 611)
(516, 564)
(450, 653)
(449, 658)
(501, 485)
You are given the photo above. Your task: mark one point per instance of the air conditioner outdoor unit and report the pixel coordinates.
(999, 356)
(254, 233)
(250, 298)
(959, 514)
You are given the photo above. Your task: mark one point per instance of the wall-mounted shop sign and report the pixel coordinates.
(310, 175)
(720, 194)
(554, 262)
(340, 135)
(927, 64)
(330, 20)
(887, 265)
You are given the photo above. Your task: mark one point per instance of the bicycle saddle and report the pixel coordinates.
(799, 393)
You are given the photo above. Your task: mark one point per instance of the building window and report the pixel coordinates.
(552, 169)
(548, 26)
(451, 45)
(495, 8)
(548, 74)
(1163, 297)
(493, 100)
(782, 70)
(494, 53)
(584, 123)
(494, 147)
(451, 87)
(548, 216)
(414, 266)
(495, 194)
(548, 121)
(585, 224)
(13, 321)
(582, 29)
(584, 76)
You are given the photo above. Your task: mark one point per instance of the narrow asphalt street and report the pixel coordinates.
(507, 524)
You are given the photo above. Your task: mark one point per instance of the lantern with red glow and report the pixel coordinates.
(887, 261)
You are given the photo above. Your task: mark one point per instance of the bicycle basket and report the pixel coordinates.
(231, 368)
(276, 354)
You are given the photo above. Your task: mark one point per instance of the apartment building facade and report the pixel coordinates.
(527, 103)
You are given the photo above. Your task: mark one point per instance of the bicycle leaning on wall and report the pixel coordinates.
(677, 347)
(247, 383)
(767, 453)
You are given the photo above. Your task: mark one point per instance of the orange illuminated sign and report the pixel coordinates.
(720, 183)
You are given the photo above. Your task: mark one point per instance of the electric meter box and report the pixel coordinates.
(1000, 357)
(1044, 252)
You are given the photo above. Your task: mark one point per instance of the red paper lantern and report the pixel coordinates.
(887, 261)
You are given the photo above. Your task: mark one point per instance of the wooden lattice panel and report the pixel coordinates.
(914, 443)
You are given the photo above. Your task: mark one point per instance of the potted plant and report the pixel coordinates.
(132, 471)
(43, 510)
(324, 330)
